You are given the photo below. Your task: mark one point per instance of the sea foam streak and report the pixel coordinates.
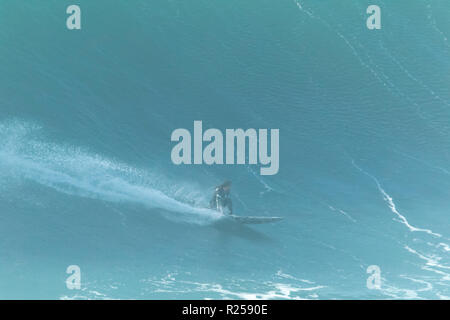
(76, 172)
(401, 218)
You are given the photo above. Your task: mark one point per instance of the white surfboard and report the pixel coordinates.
(253, 220)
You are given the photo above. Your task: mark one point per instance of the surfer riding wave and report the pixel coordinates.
(221, 202)
(221, 198)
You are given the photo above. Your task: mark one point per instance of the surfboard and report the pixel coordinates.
(254, 220)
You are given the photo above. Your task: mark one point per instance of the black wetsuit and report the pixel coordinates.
(221, 199)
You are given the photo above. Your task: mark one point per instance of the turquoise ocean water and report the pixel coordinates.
(86, 176)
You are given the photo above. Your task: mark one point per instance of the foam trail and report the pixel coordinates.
(299, 289)
(267, 188)
(414, 78)
(392, 206)
(369, 65)
(341, 212)
(73, 171)
(444, 246)
(377, 72)
(433, 23)
(432, 263)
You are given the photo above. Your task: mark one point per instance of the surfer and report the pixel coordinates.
(221, 198)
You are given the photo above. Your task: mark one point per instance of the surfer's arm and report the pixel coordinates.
(215, 201)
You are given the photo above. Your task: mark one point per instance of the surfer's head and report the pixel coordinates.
(226, 185)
